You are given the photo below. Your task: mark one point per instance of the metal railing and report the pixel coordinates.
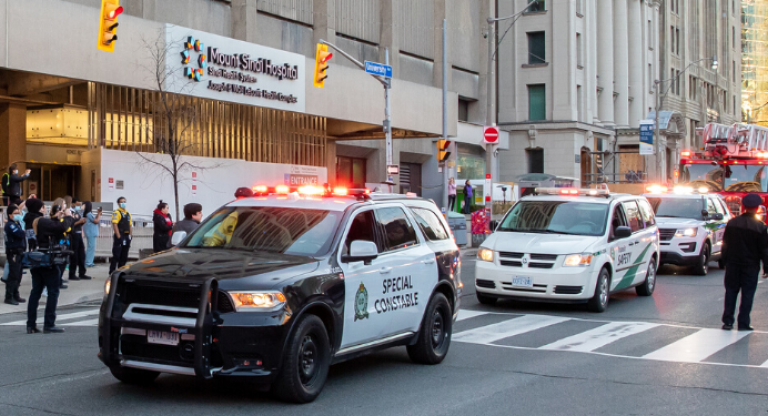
(623, 177)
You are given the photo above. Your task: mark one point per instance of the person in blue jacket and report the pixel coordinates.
(15, 246)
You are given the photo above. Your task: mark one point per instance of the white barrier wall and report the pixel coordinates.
(208, 181)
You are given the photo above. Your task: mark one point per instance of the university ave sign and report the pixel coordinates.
(211, 66)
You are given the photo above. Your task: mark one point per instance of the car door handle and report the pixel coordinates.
(429, 260)
(385, 270)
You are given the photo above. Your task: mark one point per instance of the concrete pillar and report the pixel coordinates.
(388, 35)
(324, 19)
(562, 94)
(243, 18)
(620, 63)
(605, 61)
(330, 161)
(13, 132)
(437, 68)
(590, 49)
(637, 64)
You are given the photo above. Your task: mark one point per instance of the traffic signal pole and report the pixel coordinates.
(387, 124)
(446, 170)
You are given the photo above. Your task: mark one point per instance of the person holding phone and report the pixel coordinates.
(11, 184)
(91, 231)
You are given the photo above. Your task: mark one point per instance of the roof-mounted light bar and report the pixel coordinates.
(572, 192)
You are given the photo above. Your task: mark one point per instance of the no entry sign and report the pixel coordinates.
(490, 135)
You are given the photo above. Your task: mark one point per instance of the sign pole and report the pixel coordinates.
(446, 173)
(387, 123)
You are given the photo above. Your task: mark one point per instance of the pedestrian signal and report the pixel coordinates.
(442, 150)
(322, 56)
(110, 9)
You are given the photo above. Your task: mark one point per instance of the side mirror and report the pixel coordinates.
(622, 231)
(178, 237)
(705, 213)
(716, 216)
(361, 250)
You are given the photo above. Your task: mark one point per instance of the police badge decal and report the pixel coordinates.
(361, 303)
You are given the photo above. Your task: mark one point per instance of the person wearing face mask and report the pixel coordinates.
(15, 245)
(77, 259)
(35, 210)
(122, 228)
(11, 184)
(91, 229)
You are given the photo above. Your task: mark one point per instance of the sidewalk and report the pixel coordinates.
(78, 292)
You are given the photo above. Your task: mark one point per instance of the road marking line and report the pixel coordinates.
(511, 327)
(598, 337)
(90, 322)
(467, 313)
(41, 317)
(698, 346)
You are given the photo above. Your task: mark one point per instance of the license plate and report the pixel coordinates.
(160, 337)
(521, 281)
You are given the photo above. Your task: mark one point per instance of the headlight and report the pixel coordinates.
(107, 285)
(257, 301)
(574, 260)
(485, 254)
(686, 232)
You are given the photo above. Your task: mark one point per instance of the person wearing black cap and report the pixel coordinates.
(745, 245)
(35, 210)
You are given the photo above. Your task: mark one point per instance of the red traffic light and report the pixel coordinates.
(112, 15)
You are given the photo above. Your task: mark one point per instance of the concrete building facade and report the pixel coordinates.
(274, 121)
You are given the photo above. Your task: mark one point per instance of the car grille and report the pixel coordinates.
(511, 263)
(488, 284)
(545, 257)
(158, 293)
(517, 260)
(666, 234)
(568, 290)
(541, 265)
(511, 255)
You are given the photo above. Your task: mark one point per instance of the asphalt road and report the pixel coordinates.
(662, 355)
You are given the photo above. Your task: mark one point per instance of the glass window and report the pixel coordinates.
(538, 6)
(537, 102)
(618, 219)
(302, 232)
(537, 48)
(398, 232)
(634, 219)
(430, 224)
(647, 211)
(350, 172)
(730, 177)
(535, 158)
(469, 167)
(711, 207)
(718, 206)
(362, 228)
(556, 217)
(677, 207)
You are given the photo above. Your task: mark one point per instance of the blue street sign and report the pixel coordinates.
(378, 69)
(646, 137)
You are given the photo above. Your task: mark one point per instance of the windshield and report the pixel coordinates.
(556, 217)
(731, 177)
(302, 232)
(677, 207)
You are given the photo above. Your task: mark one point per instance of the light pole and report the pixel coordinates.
(489, 112)
(656, 84)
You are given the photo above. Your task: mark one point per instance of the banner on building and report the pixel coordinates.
(646, 137)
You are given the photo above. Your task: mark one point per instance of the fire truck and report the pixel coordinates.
(733, 163)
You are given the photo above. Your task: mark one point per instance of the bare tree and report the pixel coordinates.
(178, 116)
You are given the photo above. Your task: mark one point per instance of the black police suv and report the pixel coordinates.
(279, 287)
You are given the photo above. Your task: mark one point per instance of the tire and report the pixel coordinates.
(646, 289)
(702, 265)
(133, 376)
(305, 362)
(721, 264)
(435, 335)
(599, 302)
(485, 299)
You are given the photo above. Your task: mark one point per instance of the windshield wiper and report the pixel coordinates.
(515, 230)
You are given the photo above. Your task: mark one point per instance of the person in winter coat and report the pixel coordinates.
(161, 218)
(15, 245)
(11, 184)
(467, 197)
(35, 210)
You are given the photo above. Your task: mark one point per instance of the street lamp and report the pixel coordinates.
(656, 84)
(489, 113)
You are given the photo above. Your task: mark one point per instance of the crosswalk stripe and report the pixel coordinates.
(41, 316)
(697, 346)
(505, 329)
(468, 313)
(90, 322)
(599, 337)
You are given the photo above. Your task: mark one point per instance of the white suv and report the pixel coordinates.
(570, 245)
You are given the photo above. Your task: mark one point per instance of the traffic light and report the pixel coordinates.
(322, 56)
(442, 150)
(110, 9)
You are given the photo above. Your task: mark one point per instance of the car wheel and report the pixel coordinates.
(133, 376)
(434, 338)
(646, 289)
(485, 299)
(305, 362)
(702, 266)
(599, 301)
